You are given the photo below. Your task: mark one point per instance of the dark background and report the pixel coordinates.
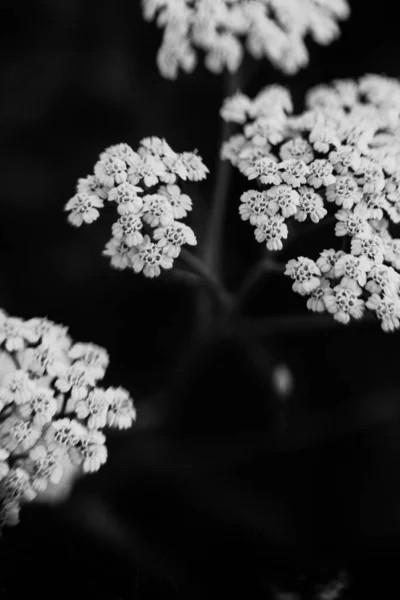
(205, 496)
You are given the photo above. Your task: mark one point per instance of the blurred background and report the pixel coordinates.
(222, 486)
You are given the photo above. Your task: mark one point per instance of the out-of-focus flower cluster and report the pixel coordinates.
(341, 157)
(274, 29)
(143, 186)
(332, 590)
(52, 412)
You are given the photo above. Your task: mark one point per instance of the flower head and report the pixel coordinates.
(157, 210)
(327, 262)
(172, 237)
(48, 333)
(222, 28)
(94, 408)
(14, 333)
(121, 411)
(284, 199)
(265, 169)
(305, 274)
(147, 169)
(337, 159)
(45, 467)
(91, 186)
(18, 435)
(271, 230)
(294, 172)
(41, 407)
(128, 229)
(297, 149)
(43, 360)
(52, 412)
(9, 512)
(111, 170)
(345, 159)
(343, 302)
(92, 357)
(383, 279)
(320, 173)
(311, 205)
(352, 268)
(63, 434)
(351, 223)
(127, 197)
(83, 208)
(145, 189)
(257, 205)
(387, 309)
(371, 247)
(180, 203)
(16, 387)
(75, 379)
(120, 253)
(151, 258)
(316, 302)
(344, 192)
(92, 451)
(236, 108)
(16, 487)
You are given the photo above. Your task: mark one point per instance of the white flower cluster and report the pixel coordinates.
(340, 157)
(52, 411)
(148, 234)
(274, 29)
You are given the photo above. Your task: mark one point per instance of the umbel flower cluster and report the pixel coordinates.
(340, 159)
(143, 186)
(52, 412)
(274, 29)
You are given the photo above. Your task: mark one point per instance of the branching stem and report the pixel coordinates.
(198, 266)
(261, 268)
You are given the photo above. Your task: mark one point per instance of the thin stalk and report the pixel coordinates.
(63, 410)
(184, 276)
(266, 266)
(261, 268)
(200, 267)
(214, 230)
